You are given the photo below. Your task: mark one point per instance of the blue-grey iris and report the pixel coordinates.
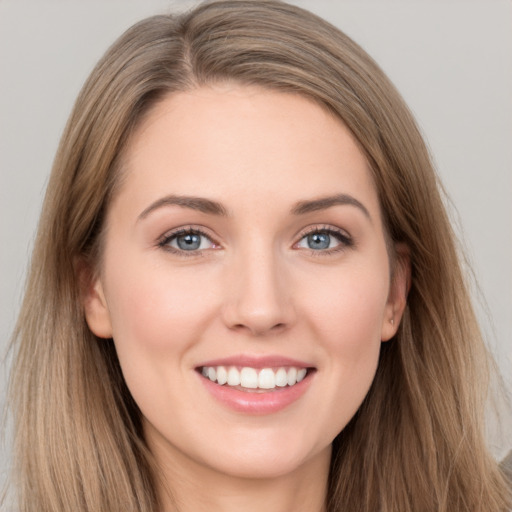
(189, 242)
(319, 241)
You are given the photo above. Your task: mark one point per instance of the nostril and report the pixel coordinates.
(259, 329)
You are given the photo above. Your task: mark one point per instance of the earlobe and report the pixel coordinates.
(95, 305)
(399, 289)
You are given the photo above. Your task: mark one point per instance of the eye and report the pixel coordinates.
(324, 240)
(187, 240)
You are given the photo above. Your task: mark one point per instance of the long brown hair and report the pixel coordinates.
(416, 444)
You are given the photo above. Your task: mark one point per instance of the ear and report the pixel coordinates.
(93, 299)
(398, 291)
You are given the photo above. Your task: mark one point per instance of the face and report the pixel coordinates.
(245, 280)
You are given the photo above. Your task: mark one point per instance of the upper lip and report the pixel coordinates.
(256, 361)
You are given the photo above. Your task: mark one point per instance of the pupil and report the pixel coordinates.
(318, 241)
(189, 242)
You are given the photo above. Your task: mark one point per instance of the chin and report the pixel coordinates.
(268, 454)
(266, 465)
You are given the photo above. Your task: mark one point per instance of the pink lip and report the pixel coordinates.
(261, 401)
(258, 362)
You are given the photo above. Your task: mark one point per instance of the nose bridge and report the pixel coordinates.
(259, 297)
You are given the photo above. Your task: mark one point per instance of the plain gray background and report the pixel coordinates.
(452, 61)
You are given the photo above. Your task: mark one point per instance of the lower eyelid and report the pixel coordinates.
(165, 240)
(341, 236)
(344, 240)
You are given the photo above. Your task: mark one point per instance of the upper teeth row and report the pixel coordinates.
(266, 378)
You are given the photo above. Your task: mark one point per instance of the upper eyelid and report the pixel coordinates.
(345, 239)
(316, 228)
(201, 230)
(186, 229)
(173, 233)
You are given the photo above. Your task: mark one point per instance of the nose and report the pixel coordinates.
(258, 295)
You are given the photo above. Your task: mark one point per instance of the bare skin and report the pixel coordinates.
(246, 233)
(304, 490)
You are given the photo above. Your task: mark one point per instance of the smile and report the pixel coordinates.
(256, 384)
(248, 378)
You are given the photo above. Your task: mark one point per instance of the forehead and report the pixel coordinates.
(237, 143)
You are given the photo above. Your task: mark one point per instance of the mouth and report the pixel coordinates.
(255, 380)
(255, 384)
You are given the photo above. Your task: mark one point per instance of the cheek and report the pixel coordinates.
(351, 308)
(348, 323)
(350, 337)
(154, 308)
(156, 317)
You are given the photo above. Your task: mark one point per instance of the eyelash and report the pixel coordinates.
(166, 239)
(345, 241)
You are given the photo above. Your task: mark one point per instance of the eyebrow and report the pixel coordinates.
(322, 203)
(208, 206)
(193, 203)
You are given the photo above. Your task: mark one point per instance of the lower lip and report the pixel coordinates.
(260, 402)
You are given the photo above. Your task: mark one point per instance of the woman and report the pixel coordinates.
(245, 289)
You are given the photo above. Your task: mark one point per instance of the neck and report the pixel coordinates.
(189, 487)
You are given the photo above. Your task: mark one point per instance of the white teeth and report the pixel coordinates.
(266, 378)
(249, 378)
(281, 378)
(222, 375)
(233, 377)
